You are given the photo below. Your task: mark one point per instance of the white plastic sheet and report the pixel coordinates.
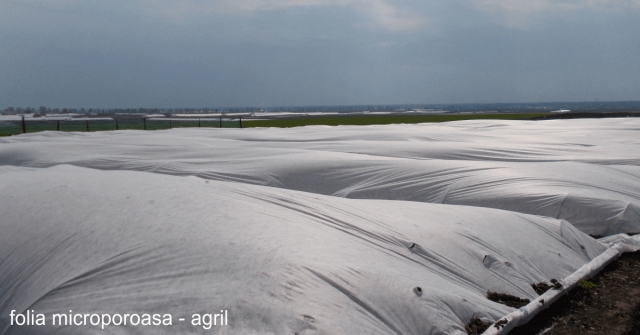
(279, 247)
(279, 261)
(584, 171)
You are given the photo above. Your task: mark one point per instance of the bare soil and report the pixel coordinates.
(611, 307)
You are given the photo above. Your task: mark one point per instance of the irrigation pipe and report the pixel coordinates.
(618, 244)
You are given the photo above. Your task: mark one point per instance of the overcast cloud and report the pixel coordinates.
(196, 53)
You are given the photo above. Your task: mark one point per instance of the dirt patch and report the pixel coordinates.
(607, 304)
(507, 299)
(476, 326)
(541, 288)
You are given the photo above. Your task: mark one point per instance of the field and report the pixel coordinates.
(380, 119)
(15, 127)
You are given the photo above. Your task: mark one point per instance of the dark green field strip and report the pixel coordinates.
(83, 126)
(153, 125)
(32, 127)
(96, 127)
(205, 124)
(185, 124)
(9, 130)
(4, 132)
(359, 120)
(122, 124)
(362, 120)
(231, 124)
(130, 124)
(166, 124)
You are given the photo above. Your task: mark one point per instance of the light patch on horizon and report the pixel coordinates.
(382, 13)
(521, 12)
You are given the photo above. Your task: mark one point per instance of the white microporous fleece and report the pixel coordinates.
(312, 230)
(279, 261)
(584, 171)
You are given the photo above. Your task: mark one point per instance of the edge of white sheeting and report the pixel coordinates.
(618, 244)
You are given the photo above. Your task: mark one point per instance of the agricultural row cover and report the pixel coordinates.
(397, 229)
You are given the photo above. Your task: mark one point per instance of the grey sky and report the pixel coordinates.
(195, 53)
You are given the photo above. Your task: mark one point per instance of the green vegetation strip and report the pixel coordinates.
(354, 120)
(138, 124)
(362, 120)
